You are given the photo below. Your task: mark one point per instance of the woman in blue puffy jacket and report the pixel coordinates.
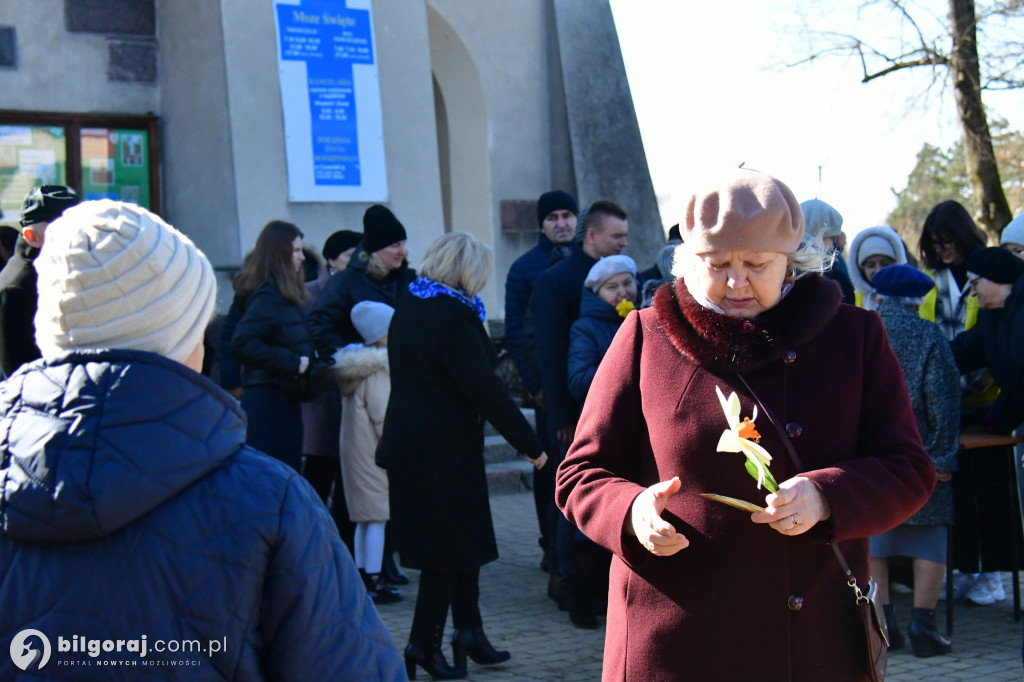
(609, 293)
(139, 536)
(272, 343)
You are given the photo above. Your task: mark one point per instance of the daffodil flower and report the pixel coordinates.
(758, 459)
(625, 307)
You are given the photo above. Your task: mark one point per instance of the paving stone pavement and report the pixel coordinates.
(519, 617)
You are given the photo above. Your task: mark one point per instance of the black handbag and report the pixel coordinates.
(869, 607)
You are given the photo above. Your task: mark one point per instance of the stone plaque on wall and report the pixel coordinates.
(128, 17)
(519, 215)
(132, 62)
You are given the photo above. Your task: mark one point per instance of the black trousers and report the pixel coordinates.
(324, 473)
(438, 591)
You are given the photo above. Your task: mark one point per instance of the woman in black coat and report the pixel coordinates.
(443, 388)
(272, 342)
(377, 272)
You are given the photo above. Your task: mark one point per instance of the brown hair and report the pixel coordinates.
(270, 262)
(950, 221)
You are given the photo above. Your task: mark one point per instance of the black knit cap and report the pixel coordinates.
(381, 229)
(996, 265)
(45, 203)
(555, 200)
(339, 242)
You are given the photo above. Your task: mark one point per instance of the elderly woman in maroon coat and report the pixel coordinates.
(701, 590)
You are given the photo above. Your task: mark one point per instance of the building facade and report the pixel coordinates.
(177, 105)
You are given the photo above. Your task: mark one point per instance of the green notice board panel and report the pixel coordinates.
(115, 165)
(29, 156)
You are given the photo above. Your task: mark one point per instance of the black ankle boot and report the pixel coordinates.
(473, 641)
(924, 636)
(896, 640)
(433, 662)
(392, 573)
(379, 592)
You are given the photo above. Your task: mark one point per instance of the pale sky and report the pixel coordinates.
(711, 90)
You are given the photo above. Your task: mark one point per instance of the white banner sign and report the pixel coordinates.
(330, 96)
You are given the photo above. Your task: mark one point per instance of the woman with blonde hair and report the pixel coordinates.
(378, 271)
(443, 389)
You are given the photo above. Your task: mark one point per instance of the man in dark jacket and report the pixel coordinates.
(134, 521)
(18, 278)
(555, 304)
(556, 214)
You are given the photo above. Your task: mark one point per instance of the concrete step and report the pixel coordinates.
(497, 449)
(509, 477)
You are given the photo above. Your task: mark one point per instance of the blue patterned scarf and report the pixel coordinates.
(421, 287)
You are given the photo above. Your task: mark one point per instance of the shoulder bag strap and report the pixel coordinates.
(851, 580)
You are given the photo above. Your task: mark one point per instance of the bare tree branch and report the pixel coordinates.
(933, 60)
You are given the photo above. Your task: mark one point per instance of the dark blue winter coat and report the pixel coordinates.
(131, 507)
(330, 321)
(518, 287)
(589, 339)
(555, 305)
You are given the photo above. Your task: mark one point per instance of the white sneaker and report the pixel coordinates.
(995, 585)
(987, 589)
(962, 582)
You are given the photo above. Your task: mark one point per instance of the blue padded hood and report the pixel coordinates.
(96, 439)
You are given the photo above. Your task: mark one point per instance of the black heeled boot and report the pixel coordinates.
(379, 592)
(925, 637)
(474, 642)
(433, 662)
(892, 624)
(392, 573)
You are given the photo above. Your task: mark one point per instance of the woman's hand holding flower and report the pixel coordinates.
(795, 509)
(657, 536)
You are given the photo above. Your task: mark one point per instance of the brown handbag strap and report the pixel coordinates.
(851, 580)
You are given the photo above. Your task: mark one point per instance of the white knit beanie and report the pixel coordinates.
(372, 319)
(114, 275)
(875, 245)
(1014, 232)
(606, 268)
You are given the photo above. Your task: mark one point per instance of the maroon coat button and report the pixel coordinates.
(793, 430)
(795, 602)
(789, 357)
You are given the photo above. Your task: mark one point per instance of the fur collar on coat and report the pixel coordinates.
(723, 343)
(354, 363)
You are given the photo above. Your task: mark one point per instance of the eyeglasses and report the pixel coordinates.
(945, 245)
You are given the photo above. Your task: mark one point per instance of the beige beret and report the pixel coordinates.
(114, 275)
(745, 211)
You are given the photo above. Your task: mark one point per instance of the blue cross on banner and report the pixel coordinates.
(329, 37)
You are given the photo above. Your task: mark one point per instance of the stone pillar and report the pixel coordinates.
(607, 151)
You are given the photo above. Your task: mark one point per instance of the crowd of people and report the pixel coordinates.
(751, 398)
